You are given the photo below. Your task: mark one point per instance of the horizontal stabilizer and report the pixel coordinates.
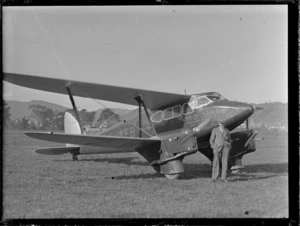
(57, 150)
(96, 141)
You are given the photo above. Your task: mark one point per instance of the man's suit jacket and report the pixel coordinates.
(218, 139)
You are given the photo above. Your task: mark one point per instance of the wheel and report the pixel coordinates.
(235, 171)
(172, 176)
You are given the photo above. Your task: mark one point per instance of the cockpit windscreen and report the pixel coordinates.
(202, 99)
(214, 96)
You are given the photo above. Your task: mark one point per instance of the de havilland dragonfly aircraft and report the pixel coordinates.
(171, 126)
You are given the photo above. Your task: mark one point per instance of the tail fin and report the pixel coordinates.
(71, 124)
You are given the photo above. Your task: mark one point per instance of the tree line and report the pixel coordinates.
(43, 118)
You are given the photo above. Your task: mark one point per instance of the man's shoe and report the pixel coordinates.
(214, 180)
(224, 181)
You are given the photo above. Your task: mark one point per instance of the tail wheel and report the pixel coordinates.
(172, 176)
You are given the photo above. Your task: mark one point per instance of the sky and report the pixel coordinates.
(239, 51)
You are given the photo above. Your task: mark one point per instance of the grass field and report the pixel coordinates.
(125, 186)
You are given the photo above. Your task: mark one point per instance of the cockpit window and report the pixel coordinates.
(215, 96)
(197, 102)
(202, 101)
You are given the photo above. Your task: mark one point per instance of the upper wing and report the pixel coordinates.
(153, 99)
(97, 141)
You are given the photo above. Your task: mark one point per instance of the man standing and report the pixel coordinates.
(220, 142)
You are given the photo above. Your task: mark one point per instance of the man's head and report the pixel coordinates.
(221, 124)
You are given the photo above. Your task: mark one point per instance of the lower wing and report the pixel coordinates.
(57, 150)
(96, 141)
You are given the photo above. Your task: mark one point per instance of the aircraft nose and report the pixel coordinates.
(243, 107)
(251, 108)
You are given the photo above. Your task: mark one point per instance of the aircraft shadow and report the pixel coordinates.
(260, 171)
(277, 168)
(194, 171)
(140, 176)
(126, 160)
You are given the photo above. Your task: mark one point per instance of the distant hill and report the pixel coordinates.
(20, 109)
(121, 112)
(272, 114)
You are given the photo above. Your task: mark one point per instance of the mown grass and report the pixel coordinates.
(125, 186)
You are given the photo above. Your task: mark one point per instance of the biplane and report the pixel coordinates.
(167, 128)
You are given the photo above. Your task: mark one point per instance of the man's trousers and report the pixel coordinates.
(223, 156)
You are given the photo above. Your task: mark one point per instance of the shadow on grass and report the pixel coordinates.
(251, 172)
(277, 168)
(140, 176)
(194, 171)
(249, 177)
(126, 160)
(260, 171)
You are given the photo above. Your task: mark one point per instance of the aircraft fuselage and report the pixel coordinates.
(184, 116)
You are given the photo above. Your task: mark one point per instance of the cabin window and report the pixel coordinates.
(186, 109)
(176, 111)
(168, 113)
(157, 116)
(172, 112)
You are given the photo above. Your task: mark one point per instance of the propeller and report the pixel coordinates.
(247, 123)
(196, 130)
(256, 108)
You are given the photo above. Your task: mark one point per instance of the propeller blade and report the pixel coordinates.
(247, 123)
(257, 108)
(198, 128)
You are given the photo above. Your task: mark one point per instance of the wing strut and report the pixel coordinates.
(140, 118)
(74, 107)
(140, 101)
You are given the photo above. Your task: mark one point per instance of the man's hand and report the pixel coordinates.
(227, 144)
